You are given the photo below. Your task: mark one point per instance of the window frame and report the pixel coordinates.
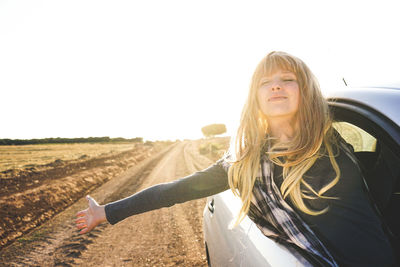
(368, 119)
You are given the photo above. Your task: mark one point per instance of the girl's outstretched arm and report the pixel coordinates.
(91, 217)
(209, 181)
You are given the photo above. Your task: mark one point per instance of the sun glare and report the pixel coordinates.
(130, 69)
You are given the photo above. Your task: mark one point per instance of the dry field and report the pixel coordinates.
(28, 156)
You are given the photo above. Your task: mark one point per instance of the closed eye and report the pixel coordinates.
(265, 82)
(288, 78)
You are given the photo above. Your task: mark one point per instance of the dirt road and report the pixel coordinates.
(166, 237)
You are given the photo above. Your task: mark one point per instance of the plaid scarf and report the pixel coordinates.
(278, 221)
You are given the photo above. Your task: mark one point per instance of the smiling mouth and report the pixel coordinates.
(277, 98)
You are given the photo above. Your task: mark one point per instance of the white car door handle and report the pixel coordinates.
(211, 206)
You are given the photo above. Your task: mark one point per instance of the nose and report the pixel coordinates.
(276, 86)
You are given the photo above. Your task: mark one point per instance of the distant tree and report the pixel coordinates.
(59, 140)
(212, 130)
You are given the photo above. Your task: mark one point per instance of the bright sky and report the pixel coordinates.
(163, 69)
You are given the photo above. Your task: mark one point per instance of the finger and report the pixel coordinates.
(83, 231)
(91, 201)
(81, 213)
(81, 225)
(80, 220)
(89, 198)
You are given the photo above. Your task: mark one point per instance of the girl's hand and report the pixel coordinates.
(91, 217)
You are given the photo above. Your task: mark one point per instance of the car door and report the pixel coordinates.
(376, 142)
(224, 245)
(244, 245)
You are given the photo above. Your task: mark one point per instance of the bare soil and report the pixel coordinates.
(165, 237)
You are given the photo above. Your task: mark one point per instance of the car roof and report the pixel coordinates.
(385, 99)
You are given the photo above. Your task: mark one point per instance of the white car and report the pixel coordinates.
(369, 119)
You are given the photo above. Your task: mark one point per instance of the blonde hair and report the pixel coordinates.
(296, 156)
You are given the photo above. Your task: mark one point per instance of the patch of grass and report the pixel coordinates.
(37, 235)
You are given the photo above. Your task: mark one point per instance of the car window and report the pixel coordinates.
(357, 137)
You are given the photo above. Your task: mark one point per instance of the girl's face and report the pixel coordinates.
(278, 95)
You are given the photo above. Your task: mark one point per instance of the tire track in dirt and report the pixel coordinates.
(190, 218)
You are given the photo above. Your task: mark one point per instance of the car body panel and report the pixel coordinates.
(385, 100)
